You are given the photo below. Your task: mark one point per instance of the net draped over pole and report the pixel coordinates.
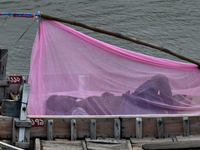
(74, 74)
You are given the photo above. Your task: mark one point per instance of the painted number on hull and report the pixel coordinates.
(15, 79)
(37, 122)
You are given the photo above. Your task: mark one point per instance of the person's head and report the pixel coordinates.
(159, 80)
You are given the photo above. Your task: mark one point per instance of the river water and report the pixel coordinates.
(174, 24)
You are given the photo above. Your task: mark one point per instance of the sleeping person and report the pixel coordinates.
(153, 97)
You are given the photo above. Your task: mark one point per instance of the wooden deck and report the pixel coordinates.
(179, 142)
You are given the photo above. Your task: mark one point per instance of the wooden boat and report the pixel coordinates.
(89, 132)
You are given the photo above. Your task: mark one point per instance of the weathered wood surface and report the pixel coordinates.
(62, 145)
(73, 130)
(149, 128)
(128, 128)
(37, 144)
(50, 129)
(186, 131)
(62, 128)
(138, 143)
(23, 111)
(172, 145)
(6, 127)
(4, 146)
(3, 63)
(138, 128)
(117, 129)
(107, 144)
(93, 129)
(172, 127)
(104, 127)
(160, 128)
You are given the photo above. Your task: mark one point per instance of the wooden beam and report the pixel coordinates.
(105, 128)
(50, 129)
(113, 116)
(138, 128)
(185, 126)
(117, 129)
(172, 145)
(23, 111)
(5, 146)
(129, 145)
(160, 128)
(118, 35)
(84, 145)
(37, 144)
(73, 130)
(3, 63)
(93, 129)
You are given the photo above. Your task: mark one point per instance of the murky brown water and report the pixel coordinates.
(173, 24)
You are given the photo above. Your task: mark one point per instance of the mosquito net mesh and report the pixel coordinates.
(74, 74)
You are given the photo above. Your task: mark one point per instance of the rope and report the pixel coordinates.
(17, 41)
(23, 34)
(3, 57)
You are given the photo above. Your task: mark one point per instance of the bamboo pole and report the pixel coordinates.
(118, 35)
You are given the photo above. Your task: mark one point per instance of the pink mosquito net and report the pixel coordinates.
(74, 74)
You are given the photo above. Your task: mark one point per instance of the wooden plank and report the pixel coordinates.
(22, 123)
(137, 147)
(128, 128)
(62, 140)
(73, 130)
(105, 128)
(117, 129)
(106, 140)
(172, 127)
(149, 140)
(172, 145)
(84, 145)
(50, 129)
(37, 144)
(67, 145)
(138, 128)
(155, 140)
(5, 146)
(73, 143)
(194, 126)
(83, 128)
(3, 63)
(149, 127)
(4, 82)
(93, 129)
(129, 145)
(6, 127)
(61, 129)
(185, 126)
(188, 138)
(160, 128)
(107, 144)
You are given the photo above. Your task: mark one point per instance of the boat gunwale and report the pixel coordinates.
(114, 116)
